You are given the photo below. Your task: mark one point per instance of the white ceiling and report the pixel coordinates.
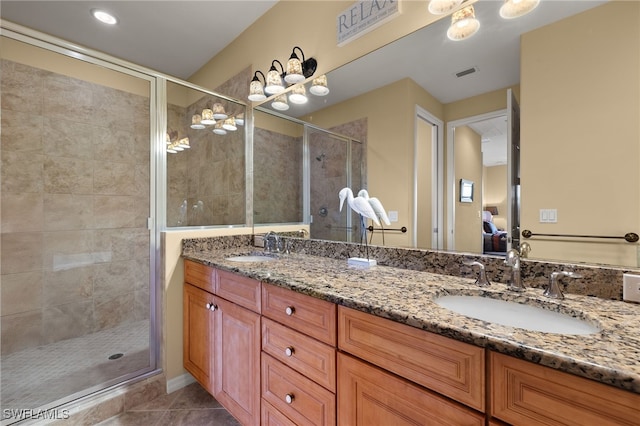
(173, 37)
(179, 37)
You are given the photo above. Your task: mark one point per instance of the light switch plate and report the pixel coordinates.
(631, 288)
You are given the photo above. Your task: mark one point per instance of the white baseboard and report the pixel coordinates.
(179, 382)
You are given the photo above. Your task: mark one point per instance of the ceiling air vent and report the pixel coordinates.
(466, 72)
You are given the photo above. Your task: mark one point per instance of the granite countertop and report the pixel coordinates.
(611, 356)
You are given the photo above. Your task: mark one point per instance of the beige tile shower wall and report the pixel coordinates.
(75, 202)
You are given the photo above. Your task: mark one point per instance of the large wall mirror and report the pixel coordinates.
(573, 67)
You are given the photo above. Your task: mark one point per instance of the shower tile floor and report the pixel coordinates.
(189, 406)
(36, 377)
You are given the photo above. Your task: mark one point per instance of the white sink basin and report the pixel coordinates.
(251, 258)
(514, 314)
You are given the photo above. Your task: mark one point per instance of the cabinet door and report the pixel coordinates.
(368, 396)
(237, 361)
(197, 334)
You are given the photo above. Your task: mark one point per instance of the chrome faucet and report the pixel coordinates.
(272, 242)
(515, 280)
(482, 280)
(553, 290)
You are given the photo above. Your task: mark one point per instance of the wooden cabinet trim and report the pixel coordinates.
(200, 275)
(238, 289)
(368, 396)
(527, 393)
(312, 404)
(311, 316)
(447, 366)
(314, 359)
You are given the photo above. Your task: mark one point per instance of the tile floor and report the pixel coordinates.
(190, 406)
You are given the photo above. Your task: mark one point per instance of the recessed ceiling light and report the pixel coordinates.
(104, 17)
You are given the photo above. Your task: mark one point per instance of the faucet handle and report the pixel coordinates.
(553, 290)
(482, 280)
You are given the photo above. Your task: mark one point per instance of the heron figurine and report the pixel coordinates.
(361, 206)
(378, 208)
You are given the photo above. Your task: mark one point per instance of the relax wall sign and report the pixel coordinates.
(363, 16)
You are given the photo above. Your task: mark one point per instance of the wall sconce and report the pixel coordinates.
(274, 79)
(463, 24)
(298, 94)
(218, 129)
(176, 144)
(218, 112)
(297, 71)
(280, 103)
(207, 117)
(319, 86)
(230, 124)
(256, 88)
(196, 122)
(442, 7)
(517, 8)
(240, 119)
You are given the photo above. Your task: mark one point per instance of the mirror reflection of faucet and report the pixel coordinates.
(515, 280)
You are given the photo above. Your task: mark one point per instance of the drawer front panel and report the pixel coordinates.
(273, 417)
(527, 393)
(311, 316)
(308, 356)
(200, 275)
(297, 397)
(238, 289)
(368, 396)
(449, 367)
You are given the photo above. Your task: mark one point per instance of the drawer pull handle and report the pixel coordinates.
(211, 306)
(288, 351)
(289, 398)
(290, 310)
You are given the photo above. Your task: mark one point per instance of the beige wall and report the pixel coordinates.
(468, 165)
(495, 193)
(424, 158)
(580, 132)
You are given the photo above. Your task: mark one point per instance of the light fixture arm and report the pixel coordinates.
(255, 77)
(293, 53)
(273, 67)
(309, 66)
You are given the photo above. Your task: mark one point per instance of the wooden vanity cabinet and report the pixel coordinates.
(298, 358)
(531, 394)
(222, 339)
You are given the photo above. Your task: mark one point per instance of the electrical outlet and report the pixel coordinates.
(631, 288)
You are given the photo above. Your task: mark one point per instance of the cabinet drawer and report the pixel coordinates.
(273, 417)
(454, 369)
(308, 356)
(238, 289)
(311, 316)
(368, 396)
(200, 275)
(310, 403)
(527, 393)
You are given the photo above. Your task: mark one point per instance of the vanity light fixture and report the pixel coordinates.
(274, 79)
(218, 112)
(218, 130)
(176, 144)
(442, 7)
(280, 103)
(319, 86)
(184, 143)
(230, 124)
(463, 24)
(256, 88)
(104, 17)
(297, 71)
(240, 119)
(298, 94)
(207, 117)
(196, 122)
(517, 8)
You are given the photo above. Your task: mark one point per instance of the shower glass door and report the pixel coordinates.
(76, 301)
(335, 162)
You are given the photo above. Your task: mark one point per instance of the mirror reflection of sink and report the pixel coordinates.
(513, 314)
(251, 258)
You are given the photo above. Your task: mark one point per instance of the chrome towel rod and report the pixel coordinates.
(630, 237)
(371, 229)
